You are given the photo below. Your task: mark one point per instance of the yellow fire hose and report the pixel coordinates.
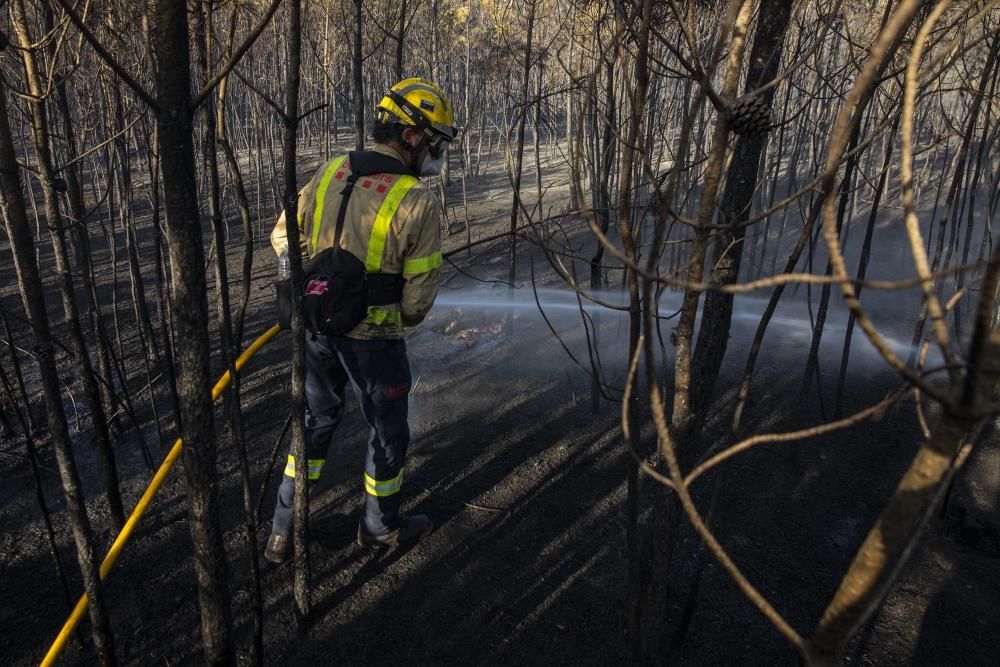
(143, 505)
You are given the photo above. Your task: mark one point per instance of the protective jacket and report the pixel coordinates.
(392, 224)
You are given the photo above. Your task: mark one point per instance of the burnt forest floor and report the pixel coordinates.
(526, 485)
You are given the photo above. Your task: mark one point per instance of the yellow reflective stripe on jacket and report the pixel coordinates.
(373, 261)
(381, 316)
(321, 196)
(413, 267)
(315, 467)
(383, 488)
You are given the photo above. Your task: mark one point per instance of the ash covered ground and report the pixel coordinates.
(526, 484)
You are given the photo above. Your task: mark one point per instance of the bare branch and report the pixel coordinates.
(206, 90)
(109, 59)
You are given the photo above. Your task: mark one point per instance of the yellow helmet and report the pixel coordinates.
(421, 104)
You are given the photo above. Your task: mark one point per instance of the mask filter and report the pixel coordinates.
(431, 166)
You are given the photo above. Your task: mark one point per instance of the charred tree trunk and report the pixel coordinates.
(987, 76)
(187, 261)
(359, 90)
(74, 191)
(164, 308)
(741, 183)
(866, 247)
(536, 123)
(812, 361)
(603, 174)
(19, 232)
(685, 384)
(941, 259)
(793, 258)
(300, 527)
(519, 154)
(242, 202)
(399, 40)
(202, 29)
(47, 177)
(637, 104)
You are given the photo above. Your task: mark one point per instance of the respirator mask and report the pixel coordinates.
(434, 160)
(431, 166)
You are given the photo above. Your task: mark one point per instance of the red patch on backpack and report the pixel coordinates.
(316, 286)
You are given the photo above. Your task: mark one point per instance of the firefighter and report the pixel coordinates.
(391, 222)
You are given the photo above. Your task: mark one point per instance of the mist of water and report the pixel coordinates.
(524, 299)
(791, 323)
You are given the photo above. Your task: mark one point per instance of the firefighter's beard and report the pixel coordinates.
(431, 166)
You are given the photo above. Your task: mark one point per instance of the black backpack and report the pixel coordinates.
(336, 289)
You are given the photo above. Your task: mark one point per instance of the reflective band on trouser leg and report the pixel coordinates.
(418, 265)
(373, 261)
(385, 488)
(324, 183)
(315, 467)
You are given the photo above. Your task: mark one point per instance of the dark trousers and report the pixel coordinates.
(380, 374)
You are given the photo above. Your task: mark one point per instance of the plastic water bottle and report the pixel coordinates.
(284, 268)
(283, 290)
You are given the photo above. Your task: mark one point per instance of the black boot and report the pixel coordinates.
(411, 529)
(277, 549)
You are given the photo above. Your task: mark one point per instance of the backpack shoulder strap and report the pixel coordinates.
(345, 195)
